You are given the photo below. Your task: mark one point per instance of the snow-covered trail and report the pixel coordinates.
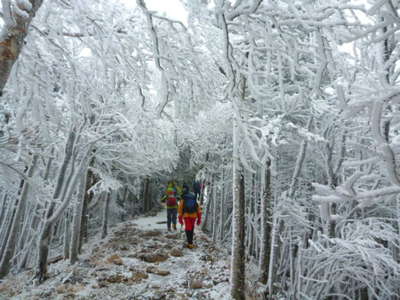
(139, 260)
(152, 222)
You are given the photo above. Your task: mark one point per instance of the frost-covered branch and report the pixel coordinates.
(157, 57)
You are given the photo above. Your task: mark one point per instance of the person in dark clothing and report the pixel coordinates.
(189, 211)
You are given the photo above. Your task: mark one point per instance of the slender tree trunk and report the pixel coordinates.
(77, 218)
(88, 197)
(44, 241)
(237, 279)
(252, 216)
(128, 203)
(146, 195)
(289, 248)
(202, 192)
(222, 208)
(3, 210)
(36, 218)
(104, 227)
(274, 247)
(5, 263)
(67, 194)
(83, 234)
(67, 234)
(25, 225)
(266, 206)
(208, 206)
(7, 229)
(61, 185)
(299, 163)
(26, 253)
(8, 215)
(214, 216)
(12, 36)
(29, 240)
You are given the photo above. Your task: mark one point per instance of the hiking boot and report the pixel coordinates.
(190, 246)
(174, 226)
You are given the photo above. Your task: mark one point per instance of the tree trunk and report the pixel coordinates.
(128, 203)
(274, 253)
(62, 184)
(146, 195)
(222, 209)
(3, 210)
(77, 218)
(83, 235)
(299, 162)
(88, 197)
(6, 224)
(207, 208)
(53, 216)
(25, 231)
(7, 228)
(67, 234)
(5, 263)
(104, 227)
(44, 241)
(12, 36)
(215, 213)
(251, 210)
(237, 280)
(266, 205)
(25, 247)
(202, 192)
(37, 217)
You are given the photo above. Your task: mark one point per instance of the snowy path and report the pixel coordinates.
(139, 260)
(152, 222)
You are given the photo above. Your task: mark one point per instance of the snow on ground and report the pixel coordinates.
(139, 260)
(158, 221)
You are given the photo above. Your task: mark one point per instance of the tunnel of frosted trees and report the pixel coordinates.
(286, 111)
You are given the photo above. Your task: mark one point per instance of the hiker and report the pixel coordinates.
(171, 198)
(189, 211)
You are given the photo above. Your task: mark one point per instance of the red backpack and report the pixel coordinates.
(171, 196)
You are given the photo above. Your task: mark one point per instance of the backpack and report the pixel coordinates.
(190, 203)
(171, 197)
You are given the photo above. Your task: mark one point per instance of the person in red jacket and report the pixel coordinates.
(171, 199)
(188, 212)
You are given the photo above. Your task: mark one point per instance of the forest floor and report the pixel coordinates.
(139, 259)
